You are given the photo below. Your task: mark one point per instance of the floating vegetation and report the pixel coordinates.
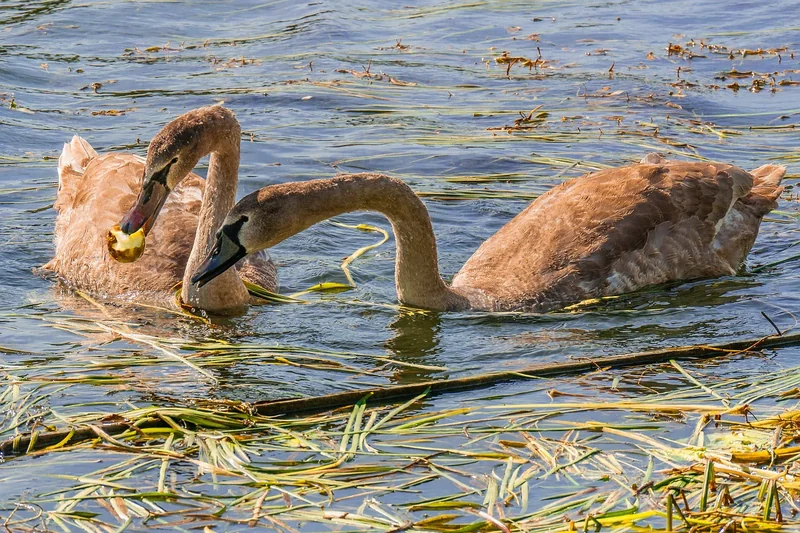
(168, 47)
(678, 50)
(467, 194)
(527, 121)
(399, 46)
(112, 112)
(367, 74)
(758, 81)
(509, 61)
(686, 50)
(234, 62)
(732, 467)
(115, 417)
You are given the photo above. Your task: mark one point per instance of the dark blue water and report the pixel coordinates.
(413, 90)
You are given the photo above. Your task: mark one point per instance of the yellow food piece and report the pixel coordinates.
(123, 247)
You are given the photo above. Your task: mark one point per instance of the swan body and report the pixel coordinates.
(622, 229)
(94, 193)
(602, 234)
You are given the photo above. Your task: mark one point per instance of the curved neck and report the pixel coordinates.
(416, 269)
(226, 293)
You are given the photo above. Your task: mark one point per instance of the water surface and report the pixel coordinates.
(413, 90)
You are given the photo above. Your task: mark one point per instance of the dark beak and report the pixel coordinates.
(224, 255)
(151, 199)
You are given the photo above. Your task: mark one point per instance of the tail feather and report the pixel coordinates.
(653, 158)
(76, 155)
(73, 161)
(766, 190)
(767, 181)
(736, 235)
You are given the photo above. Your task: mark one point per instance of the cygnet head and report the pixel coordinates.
(172, 155)
(258, 221)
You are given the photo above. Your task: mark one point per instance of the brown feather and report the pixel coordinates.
(602, 234)
(94, 193)
(621, 229)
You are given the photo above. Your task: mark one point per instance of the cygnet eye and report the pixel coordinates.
(174, 160)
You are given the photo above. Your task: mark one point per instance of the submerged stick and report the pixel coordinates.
(545, 370)
(20, 443)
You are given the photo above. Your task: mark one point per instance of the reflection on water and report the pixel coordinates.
(415, 339)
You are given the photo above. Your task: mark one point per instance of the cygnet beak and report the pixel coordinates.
(145, 211)
(224, 255)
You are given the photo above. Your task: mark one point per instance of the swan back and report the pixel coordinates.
(621, 229)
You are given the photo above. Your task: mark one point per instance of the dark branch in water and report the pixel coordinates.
(30, 442)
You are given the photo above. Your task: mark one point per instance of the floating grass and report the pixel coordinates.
(317, 468)
(327, 286)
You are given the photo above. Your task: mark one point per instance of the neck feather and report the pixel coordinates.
(416, 270)
(226, 293)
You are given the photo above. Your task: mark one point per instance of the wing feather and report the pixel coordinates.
(609, 232)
